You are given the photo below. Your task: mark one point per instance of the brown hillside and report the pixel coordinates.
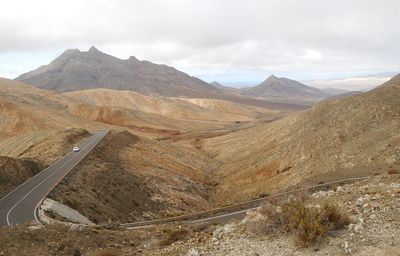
(24, 108)
(357, 135)
(44, 146)
(128, 178)
(15, 171)
(182, 109)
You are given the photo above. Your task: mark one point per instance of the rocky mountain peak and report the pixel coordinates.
(70, 53)
(76, 70)
(273, 77)
(133, 59)
(280, 88)
(93, 49)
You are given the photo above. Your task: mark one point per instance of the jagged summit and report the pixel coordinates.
(133, 58)
(93, 49)
(69, 51)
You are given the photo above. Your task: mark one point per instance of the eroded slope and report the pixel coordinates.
(128, 178)
(354, 136)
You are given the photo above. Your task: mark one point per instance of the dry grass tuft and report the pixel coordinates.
(333, 217)
(174, 235)
(393, 171)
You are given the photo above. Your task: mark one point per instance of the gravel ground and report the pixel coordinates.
(373, 205)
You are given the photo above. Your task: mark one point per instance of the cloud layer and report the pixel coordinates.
(221, 39)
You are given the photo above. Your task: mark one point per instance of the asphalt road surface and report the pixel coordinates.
(231, 212)
(20, 205)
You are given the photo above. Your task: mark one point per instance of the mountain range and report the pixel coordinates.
(169, 155)
(76, 70)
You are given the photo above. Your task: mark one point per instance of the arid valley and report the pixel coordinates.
(106, 155)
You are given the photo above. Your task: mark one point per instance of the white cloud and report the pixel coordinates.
(351, 83)
(312, 55)
(299, 38)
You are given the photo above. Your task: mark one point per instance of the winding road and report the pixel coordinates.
(20, 205)
(236, 211)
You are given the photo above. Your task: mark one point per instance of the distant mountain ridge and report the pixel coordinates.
(280, 88)
(76, 70)
(335, 139)
(224, 88)
(79, 70)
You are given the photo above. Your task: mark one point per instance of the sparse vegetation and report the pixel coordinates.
(308, 223)
(333, 217)
(174, 235)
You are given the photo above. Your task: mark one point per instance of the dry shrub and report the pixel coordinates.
(202, 227)
(393, 171)
(333, 217)
(270, 211)
(304, 222)
(174, 235)
(308, 224)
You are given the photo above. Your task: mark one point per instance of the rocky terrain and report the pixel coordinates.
(373, 206)
(167, 156)
(347, 137)
(76, 70)
(127, 178)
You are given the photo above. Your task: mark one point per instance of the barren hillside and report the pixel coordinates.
(45, 146)
(357, 135)
(24, 109)
(285, 90)
(128, 178)
(373, 206)
(76, 70)
(15, 171)
(182, 109)
(23, 156)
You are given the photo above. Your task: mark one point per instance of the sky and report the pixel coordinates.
(230, 41)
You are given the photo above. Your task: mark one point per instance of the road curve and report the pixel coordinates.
(19, 206)
(227, 213)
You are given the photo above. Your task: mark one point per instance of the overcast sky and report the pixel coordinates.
(234, 42)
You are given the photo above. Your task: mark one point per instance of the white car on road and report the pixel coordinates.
(76, 149)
